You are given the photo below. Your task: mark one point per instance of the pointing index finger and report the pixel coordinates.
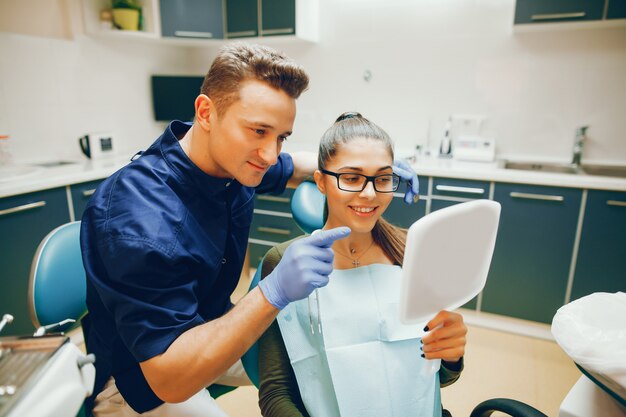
(325, 238)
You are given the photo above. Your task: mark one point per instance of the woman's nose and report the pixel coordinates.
(368, 192)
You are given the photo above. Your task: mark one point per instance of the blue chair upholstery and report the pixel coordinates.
(57, 286)
(307, 207)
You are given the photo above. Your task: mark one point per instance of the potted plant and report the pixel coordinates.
(127, 14)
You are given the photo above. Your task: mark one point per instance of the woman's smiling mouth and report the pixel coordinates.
(363, 211)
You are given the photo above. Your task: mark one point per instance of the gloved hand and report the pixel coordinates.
(407, 174)
(304, 267)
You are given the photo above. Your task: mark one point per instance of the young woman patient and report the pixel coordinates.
(343, 350)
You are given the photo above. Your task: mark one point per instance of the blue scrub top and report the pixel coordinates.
(163, 246)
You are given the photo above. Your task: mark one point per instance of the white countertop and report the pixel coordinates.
(493, 171)
(45, 178)
(86, 170)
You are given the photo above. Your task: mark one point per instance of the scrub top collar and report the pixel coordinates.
(184, 167)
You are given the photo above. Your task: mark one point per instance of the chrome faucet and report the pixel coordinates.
(581, 137)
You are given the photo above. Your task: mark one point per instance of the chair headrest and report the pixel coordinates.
(307, 207)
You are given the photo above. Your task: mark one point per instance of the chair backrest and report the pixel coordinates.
(57, 287)
(307, 207)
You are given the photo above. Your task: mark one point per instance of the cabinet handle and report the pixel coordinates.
(616, 203)
(464, 190)
(273, 199)
(285, 31)
(550, 16)
(537, 196)
(274, 230)
(241, 33)
(89, 193)
(191, 34)
(24, 207)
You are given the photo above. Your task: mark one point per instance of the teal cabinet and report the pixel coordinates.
(24, 221)
(444, 188)
(404, 215)
(272, 224)
(544, 11)
(616, 9)
(533, 254)
(200, 19)
(275, 17)
(242, 18)
(278, 17)
(81, 193)
(601, 261)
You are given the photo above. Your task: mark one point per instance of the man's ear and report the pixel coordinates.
(319, 181)
(204, 108)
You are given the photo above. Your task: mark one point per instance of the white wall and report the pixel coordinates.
(52, 91)
(429, 58)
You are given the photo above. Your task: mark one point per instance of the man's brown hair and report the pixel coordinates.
(238, 62)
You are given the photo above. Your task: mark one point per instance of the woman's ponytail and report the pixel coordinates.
(391, 239)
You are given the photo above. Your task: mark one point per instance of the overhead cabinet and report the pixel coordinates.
(199, 19)
(250, 18)
(546, 11)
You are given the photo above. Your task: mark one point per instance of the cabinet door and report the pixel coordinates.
(452, 187)
(24, 221)
(543, 11)
(278, 17)
(404, 215)
(201, 19)
(616, 9)
(533, 253)
(601, 263)
(81, 193)
(242, 18)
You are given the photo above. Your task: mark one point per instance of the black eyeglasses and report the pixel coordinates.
(355, 183)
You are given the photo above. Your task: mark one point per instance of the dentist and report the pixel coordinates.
(164, 240)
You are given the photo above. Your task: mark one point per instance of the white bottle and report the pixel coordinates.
(445, 149)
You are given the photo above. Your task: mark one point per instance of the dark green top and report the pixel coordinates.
(279, 395)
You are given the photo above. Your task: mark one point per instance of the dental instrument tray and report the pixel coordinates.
(22, 361)
(447, 258)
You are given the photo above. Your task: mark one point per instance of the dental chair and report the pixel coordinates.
(307, 208)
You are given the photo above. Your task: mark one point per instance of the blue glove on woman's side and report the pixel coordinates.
(304, 267)
(407, 174)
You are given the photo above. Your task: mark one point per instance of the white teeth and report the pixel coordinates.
(363, 209)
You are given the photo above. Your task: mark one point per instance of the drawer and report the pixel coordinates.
(256, 252)
(452, 187)
(273, 228)
(404, 215)
(81, 193)
(280, 203)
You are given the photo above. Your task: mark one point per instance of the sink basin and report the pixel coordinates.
(18, 172)
(605, 170)
(542, 167)
(618, 171)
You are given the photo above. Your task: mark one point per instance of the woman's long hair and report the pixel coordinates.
(347, 127)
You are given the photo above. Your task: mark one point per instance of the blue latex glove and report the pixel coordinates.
(406, 173)
(304, 267)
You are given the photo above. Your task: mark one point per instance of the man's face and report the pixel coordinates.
(245, 140)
